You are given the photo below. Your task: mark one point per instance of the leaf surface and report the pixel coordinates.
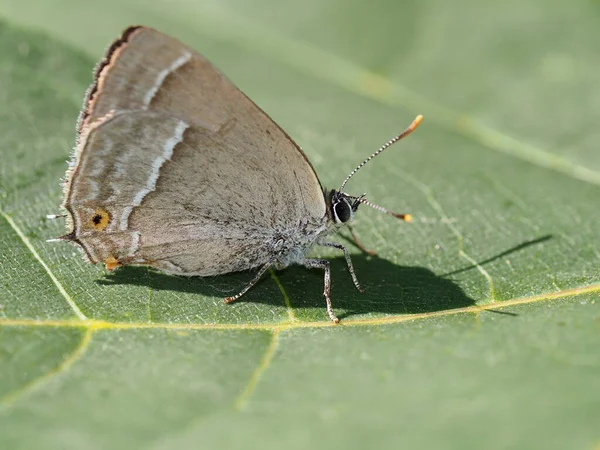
(480, 324)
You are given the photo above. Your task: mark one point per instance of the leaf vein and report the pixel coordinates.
(37, 256)
(392, 319)
(286, 297)
(428, 193)
(254, 379)
(77, 353)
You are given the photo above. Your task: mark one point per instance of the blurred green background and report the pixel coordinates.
(480, 327)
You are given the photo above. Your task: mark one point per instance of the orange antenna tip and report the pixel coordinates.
(405, 217)
(413, 126)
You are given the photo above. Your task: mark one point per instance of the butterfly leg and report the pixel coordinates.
(324, 264)
(348, 262)
(255, 280)
(359, 244)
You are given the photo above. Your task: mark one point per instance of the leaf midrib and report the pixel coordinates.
(287, 325)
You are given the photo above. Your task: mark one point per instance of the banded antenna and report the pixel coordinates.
(412, 127)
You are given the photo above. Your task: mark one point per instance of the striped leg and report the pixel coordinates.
(255, 280)
(348, 262)
(324, 264)
(359, 244)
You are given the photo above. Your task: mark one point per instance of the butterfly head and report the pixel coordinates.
(343, 206)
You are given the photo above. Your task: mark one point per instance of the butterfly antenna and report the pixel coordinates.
(415, 123)
(405, 217)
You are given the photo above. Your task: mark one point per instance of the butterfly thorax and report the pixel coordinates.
(297, 243)
(291, 246)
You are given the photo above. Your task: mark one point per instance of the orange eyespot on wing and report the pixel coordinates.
(100, 220)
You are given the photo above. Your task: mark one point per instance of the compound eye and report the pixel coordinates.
(342, 210)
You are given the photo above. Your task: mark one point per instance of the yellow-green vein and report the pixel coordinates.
(265, 361)
(428, 193)
(286, 297)
(11, 397)
(37, 256)
(476, 309)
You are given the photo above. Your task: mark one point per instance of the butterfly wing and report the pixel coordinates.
(177, 168)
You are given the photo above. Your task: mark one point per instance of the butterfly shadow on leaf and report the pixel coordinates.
(389, 288)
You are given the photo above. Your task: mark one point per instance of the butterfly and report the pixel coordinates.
(177, 169)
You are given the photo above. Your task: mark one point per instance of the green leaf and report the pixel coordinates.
(480, 324)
